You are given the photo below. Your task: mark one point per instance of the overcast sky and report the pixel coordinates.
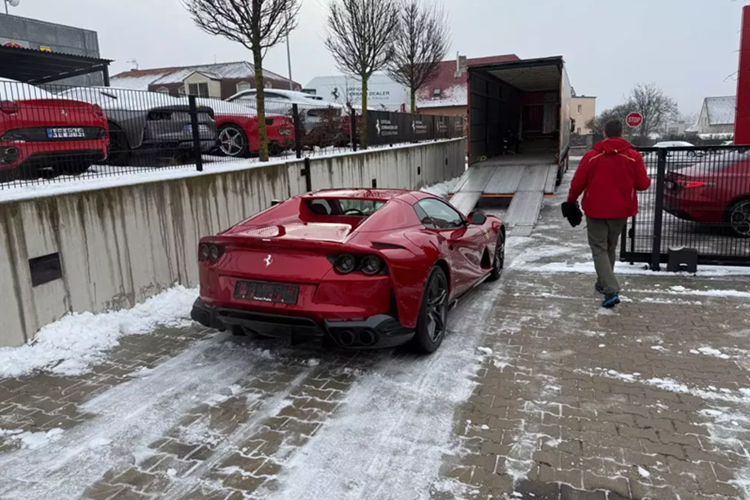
(688, 47)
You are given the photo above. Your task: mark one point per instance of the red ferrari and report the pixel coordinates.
(714, 191)
(38, 130)
(361, 268)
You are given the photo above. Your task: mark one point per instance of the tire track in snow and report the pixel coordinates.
(389, 439)
(131, 416)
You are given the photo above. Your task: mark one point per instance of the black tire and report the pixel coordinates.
(118, 152)
(433, 313)
(275, 149)
(498, 263)
(233, 141)
(738, 218)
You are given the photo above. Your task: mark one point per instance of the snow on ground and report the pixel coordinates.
(73, 344)
(442, 188)
(638, 269)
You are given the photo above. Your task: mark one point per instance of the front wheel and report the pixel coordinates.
(739, 218)
(233, 142)
(433, 314)
(499, 263)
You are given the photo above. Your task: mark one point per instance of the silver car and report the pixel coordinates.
(148, 124)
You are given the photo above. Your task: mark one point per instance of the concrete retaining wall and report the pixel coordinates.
(122, 244)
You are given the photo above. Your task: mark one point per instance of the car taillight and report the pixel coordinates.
(285, 131)
(371, 265)
(98, 111)
(691, 184)
(8, 107)
(348, 263)
(345, 263)
(210, 252)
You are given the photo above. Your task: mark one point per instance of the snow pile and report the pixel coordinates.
(709, 351)
(443, 188)
(33, 440)
(71, 345)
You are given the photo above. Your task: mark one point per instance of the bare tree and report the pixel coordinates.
(359, 35)
(421, 42)
(256, 24)
(619, 112)
(655, 106)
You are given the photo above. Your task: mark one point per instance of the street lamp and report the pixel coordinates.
(12, 3)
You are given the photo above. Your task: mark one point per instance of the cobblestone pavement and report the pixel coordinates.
(537, 393)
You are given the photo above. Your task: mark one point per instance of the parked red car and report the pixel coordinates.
(238, 129)
(362, 268)
(40, 131)
(714, 191)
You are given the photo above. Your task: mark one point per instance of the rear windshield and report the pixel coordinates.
(344, 206)
(719, 160)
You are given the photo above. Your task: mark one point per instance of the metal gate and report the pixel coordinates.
(699, 198)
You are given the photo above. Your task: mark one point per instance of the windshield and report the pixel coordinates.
(716, 162)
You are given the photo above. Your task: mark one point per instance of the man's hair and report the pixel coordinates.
(613, 129)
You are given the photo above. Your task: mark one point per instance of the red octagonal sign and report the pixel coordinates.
(634, 119)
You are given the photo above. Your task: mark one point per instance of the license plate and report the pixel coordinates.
(66, 133)
(201, 128)
(266, 292)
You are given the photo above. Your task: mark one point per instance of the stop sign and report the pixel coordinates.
(634, 119)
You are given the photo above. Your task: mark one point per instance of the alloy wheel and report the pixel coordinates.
(437, 307)
(231, 141)
(740, 218)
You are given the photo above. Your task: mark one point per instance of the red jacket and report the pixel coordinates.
(610, 175)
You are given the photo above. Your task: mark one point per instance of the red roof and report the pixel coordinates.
(452, 89)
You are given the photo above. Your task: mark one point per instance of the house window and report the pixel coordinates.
(182, 90)
(268, 85)
(163, 90)
(198, 89)
(437, 92)
(243, 86)
(579, 130)
(580, 109)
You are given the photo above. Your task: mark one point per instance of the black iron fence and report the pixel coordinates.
(61, 133)
(699, 199)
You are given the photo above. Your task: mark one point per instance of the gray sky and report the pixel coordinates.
(688, 47)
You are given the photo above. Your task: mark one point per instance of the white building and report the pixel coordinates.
(383, 92)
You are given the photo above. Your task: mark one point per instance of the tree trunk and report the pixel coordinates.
(363, 132)
(260, 100)
(413, 101)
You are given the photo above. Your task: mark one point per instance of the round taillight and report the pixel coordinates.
(345, 263)
(8, 107)
(204, 252)
(213, 253)
(371, 265)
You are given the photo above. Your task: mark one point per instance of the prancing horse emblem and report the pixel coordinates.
(268, 260)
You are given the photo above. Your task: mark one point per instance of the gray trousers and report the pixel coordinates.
(604, 235)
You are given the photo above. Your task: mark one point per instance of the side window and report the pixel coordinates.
(442, 215)
(423, 217)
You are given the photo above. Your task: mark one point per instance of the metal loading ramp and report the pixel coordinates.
(525, 179)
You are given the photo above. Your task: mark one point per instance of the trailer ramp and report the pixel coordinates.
(525, 179)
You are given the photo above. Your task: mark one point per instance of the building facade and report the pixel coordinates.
(583, 110)
(49, 37)
(717, 117)
(209, 80)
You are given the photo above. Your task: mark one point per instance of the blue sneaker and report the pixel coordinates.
(599, 288)
(610, 300)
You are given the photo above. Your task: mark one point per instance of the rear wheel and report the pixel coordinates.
(233, 141)
(499, 262)
(118, 152)
(433, 314)
(738, 216)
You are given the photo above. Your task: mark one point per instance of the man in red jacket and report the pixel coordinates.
(608, 177)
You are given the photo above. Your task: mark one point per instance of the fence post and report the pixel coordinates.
(353, 126)
(659, 209)
(195, 126)
(308, 175)
(297, 131)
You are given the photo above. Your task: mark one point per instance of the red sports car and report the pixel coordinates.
(714, 191)
(38, 130)
(363, 268)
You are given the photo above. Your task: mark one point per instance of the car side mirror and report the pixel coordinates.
(477, 218)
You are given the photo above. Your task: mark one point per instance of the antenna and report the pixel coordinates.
(134, 62)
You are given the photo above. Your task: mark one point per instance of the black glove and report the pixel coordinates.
(571, 212)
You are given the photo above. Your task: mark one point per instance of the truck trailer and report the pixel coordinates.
(519, 135)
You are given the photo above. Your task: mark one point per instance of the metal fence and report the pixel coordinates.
(69, 134)
(699, 199)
